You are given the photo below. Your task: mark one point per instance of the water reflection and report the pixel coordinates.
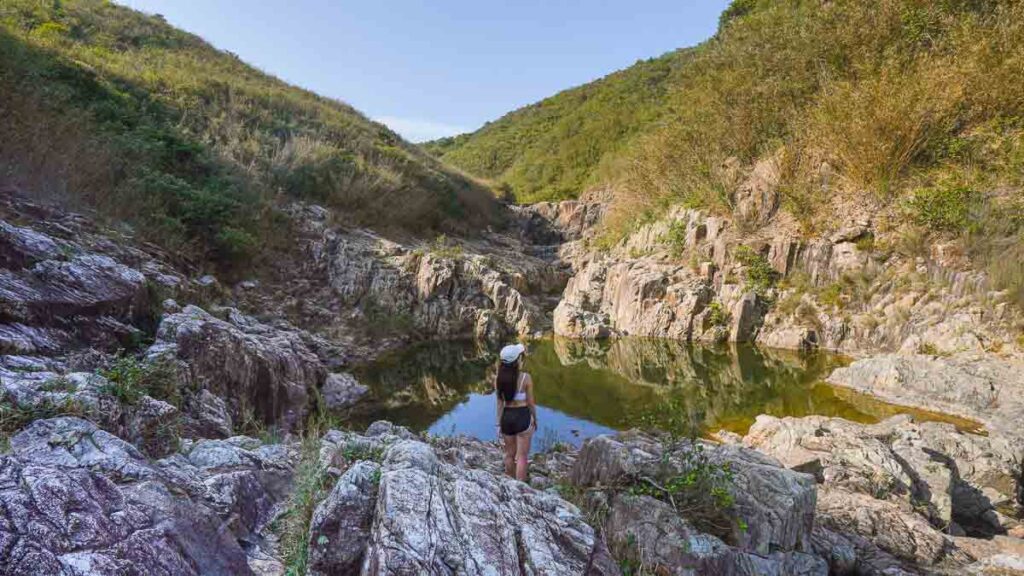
(590, 387)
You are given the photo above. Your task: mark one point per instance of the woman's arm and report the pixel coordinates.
(529, 399)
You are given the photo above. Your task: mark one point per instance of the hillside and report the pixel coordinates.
(113, 109)
(552, 149)
(906, 113)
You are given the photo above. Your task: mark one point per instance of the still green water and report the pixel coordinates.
(584, 388)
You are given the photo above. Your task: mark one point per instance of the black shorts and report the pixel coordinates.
(515, 420)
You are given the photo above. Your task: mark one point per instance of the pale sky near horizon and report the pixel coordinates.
(432, 69)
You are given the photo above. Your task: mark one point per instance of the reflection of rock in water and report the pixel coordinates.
(712, 385)
(618, 383)
(427, 381)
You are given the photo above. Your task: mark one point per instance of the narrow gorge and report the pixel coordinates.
(770, 288)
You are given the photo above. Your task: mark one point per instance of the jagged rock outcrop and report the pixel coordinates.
(776, 505)
(150, 424)
(431, 517)
(631, 298)
(548, 223)
(54, 296)
(840, 291)
(66, 286)
(448, 292)
(78, 500)
(261, 373)
(487, 287)
(908, 488)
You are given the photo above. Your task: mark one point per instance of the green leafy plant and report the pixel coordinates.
(13, 417)
(311, 484)
(946, 209)
(444, 247)
(695, 485)
(718, 316)
(129, 379)
(58, 384)
(758, 273)
(676, 237)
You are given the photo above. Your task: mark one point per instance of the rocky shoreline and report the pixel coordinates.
(159, 420)
(805, 496)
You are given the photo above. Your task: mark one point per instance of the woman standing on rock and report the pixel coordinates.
(517, 412)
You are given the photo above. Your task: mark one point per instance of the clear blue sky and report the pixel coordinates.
(436, 68)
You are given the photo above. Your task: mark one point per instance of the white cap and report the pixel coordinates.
(512, 352)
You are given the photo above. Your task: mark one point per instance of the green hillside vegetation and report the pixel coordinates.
(120, 111)
(553, 149)
(913, 106)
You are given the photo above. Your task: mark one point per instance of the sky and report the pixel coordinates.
(437, 68)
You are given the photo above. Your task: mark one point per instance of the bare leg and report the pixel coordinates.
(522, 453)
(510, 454)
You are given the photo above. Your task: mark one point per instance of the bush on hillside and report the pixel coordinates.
(118, 110)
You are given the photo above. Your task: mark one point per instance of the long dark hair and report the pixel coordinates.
(508, 379)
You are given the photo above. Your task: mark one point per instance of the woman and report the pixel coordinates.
(516, 413)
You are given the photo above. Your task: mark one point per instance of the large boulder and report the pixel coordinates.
(953, 479)
(262, 373)
(889, 526)
(434, 518)
(650, 533)
(78, 500)
(340, 528)
(342, 390)
(775, 505)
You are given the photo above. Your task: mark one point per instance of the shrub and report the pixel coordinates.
(718, 315)
(676, 237)
(948, 209)
(443, 247)
(697, 487)
(832, 295)
(13, 417)
(58, 384)
(129, 379)
(758, 273)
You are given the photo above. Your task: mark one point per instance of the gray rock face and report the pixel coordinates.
(546, 223)
(745, 319)
(342, 391)
(982, 388)
(260, 372)
(650, 533)
(53, 294)
(433, 518)
(340, 528)
(442, 293)
(78, 500)
(948, 476)
(637, 298)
